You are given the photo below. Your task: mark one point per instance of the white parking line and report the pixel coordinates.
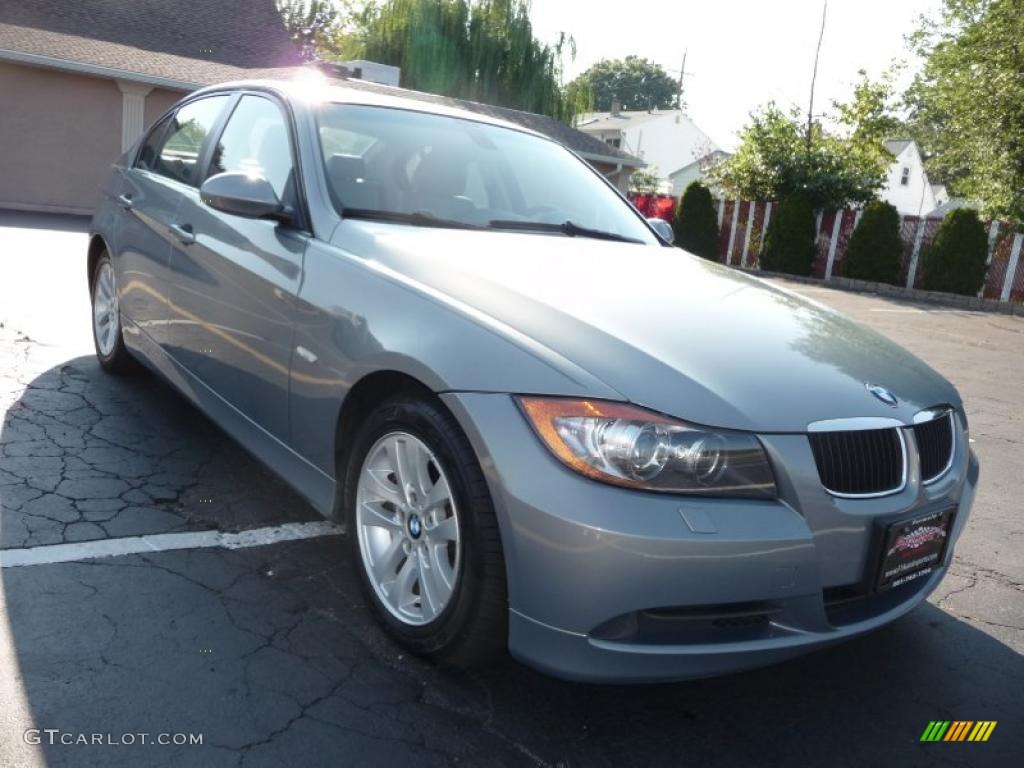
(164, 542)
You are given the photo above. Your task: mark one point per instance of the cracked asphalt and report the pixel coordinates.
(269, 653)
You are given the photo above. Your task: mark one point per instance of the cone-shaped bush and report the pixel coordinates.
(956, 261)
(790, 244)
(696, 224)
(875, 246)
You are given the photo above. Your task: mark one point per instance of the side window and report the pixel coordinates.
(255, 141)
(182, 141)
(150, 149)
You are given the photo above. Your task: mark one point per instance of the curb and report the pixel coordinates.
(969, 303)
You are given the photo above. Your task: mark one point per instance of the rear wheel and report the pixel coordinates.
(423, 532)
(106, 319)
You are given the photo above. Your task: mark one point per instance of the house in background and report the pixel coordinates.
(81, 81)
(907, 186)
(667, 140)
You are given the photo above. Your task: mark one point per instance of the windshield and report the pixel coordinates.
(420, 168)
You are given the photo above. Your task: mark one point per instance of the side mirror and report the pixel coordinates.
(664, 229)
(243, 195)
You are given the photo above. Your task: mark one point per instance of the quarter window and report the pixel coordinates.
(182, 141)
(255, 141)
(150, 150)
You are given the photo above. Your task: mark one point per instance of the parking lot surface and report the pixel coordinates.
(268, 652)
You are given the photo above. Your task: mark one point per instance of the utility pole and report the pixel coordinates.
(682, 74)
(814, 76)
(682, 83)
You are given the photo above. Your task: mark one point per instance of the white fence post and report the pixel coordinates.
(1011, 268)
(993, 235)
(764, 227)
(732, 230)
(836, 227)
(746, 237)
(721, 212)
(912, 272)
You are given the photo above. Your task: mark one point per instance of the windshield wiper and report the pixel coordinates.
(567, 227)
(417, 218)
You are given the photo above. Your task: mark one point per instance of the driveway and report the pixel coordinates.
(265, 649)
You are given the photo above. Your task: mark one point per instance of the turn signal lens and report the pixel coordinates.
(633, 447)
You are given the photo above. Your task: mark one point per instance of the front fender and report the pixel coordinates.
(354, 317)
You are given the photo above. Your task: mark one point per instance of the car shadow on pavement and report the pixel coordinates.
(85, 455)
(271, 654)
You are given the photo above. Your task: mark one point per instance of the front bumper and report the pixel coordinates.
(610, 584)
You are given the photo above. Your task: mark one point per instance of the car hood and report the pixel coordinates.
(667, 330)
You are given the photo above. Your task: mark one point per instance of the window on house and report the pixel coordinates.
(905, 178)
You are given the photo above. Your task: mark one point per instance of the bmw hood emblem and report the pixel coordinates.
(883, 394)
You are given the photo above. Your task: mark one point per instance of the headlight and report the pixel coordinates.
(626, 445)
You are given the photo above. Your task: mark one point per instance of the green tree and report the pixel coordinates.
(645, 181)
(311, 24)
(696, 225)
(790, 245)
(875, 246)
(637, 83)
(836, 169)
(955, 263)
(967, 102)
(483, 50)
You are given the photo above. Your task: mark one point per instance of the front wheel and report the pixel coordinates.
(423, 532)
(106, 319)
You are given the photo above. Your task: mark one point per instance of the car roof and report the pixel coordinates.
(317, 90)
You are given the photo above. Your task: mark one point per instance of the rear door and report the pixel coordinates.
(150, 195)
(233, 288)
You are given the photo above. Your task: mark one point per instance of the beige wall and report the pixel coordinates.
(58, 134)
(159, 101)
(617, 175)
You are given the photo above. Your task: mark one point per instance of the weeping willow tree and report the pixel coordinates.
(483, 50)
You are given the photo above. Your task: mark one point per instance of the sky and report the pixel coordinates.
(741, 53)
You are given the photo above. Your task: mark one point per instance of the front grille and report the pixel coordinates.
(859, 463)
(935, 445)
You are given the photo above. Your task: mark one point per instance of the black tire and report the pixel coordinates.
(119, 359)
(473, 627)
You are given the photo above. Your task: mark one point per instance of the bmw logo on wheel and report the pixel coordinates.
(415, 527)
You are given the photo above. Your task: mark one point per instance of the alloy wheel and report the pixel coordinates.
(106, 320)
(408, 528)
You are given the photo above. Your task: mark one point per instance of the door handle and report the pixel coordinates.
(184, 233)
(125, 200)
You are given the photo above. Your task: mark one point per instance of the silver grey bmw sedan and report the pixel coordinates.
(543, 428)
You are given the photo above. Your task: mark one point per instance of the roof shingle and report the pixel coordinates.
(240, 33)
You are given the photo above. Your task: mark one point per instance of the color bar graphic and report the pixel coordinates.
(958, 730)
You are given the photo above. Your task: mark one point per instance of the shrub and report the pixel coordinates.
(790, 245)
(696, 224)
(956, 261)
(875, 246)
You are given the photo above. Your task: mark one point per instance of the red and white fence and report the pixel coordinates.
(742, 226)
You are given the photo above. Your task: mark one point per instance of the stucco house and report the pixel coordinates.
(907, 186)
(674, 148)
(80, 82)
